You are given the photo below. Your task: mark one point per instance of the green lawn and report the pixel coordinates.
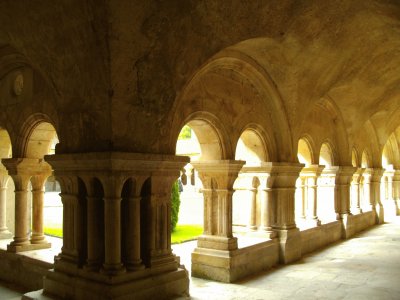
(57, 232)
(182, 233)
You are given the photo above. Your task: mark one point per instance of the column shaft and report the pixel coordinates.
(112, 236)
(132, 260)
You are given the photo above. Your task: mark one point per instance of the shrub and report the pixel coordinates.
(175, 203)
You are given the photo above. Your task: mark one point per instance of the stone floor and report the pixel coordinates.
(365, 267)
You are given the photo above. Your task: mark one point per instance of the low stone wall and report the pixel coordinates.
(360, 222)
(229, 266)
(320, 236)
(22, 270)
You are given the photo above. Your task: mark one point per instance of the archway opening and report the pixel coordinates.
(326, 185)
(42, 141)
(304, 155)
(246, 202)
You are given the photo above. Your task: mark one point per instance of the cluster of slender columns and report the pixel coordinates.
(117, 213)
(23, 172)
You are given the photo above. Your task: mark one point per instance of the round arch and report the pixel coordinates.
(365, 159)
(354, 157)
(252, 145)
(36, 138)
(209, 133)
(327, 155)
(305, 152)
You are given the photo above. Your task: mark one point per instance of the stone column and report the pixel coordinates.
(21, 235)
(343, 178)
(218, 178)
(132, 259)
(369, 204)
(253, 205)
(112, 224)
(73, 252)
(396, 191)
(4, 232)
(303, 187)
(375, 194)
(284, 176)
(38, 181)
(355, 192)
(311, 174)
(267, 208)
(95, 224)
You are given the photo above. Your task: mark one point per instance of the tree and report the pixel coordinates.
(175, 203)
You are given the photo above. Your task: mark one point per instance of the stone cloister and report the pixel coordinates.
(296, 107)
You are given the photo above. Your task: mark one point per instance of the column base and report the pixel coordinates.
(143, 285)
(15, 248)
(348, 225)
(113, 269)
(38, 239)
(217, 242)
(290, 245)
(232, 265)
(380, 215)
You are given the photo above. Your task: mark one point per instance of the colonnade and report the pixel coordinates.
(116, 216)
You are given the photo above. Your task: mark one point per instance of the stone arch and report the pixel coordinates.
(327, 155)
(365, 159)
(36, 135)
(305, 152)
(210, 134)
(5, 144)
(252, 145)
(249, 76)
(354, 157)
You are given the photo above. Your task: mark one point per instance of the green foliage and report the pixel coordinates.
(184, 233)
(175, 203)
(185, 134)
(57, 232)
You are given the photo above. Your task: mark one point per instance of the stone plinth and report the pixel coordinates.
(229, 266)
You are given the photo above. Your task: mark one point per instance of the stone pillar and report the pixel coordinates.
(375, 194)
(38, 181)
(369, 204)
(4, 232)
(253, 204)
(133, 261)
(218, 178)
(21, 235)
(311, 174)
(343, 178)
(112, 236)
(267, 208)
(71, 277)
(355, 192)
(284, 176)
(303, 187)
(94, 224)
(396, 191)
(215, 246)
